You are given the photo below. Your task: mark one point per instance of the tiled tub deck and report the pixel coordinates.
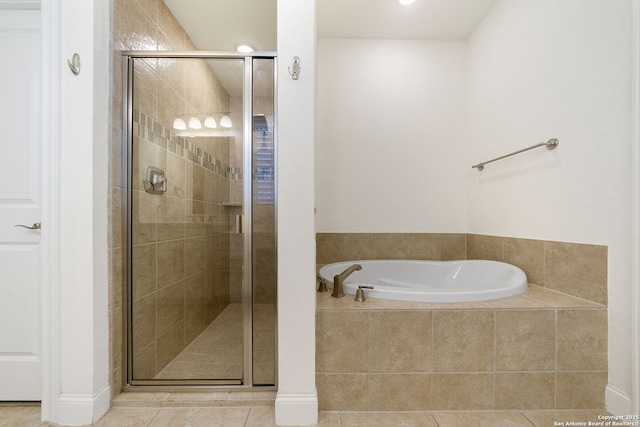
(540, 350)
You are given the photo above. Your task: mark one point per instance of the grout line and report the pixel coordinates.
(555, 374)
(493, 374)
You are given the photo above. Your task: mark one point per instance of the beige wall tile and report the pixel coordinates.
(171, 210)
(454, 246)
(582, 340)
(144, 269)
(342, 341)
(169, 345)
(116, 231)
(145, 95)
(528, 255)
(464, 341)
(485, 247)
(359, 246)
(535, 390)
(144, 318)
(399, 341)
(116, 279)
(577, 269)
(171, 304)
(171, 104)
(393, 245)
(195, 255)
(144, 362)
(426, 246)
(133, 28)
(115, 338)
(462, 391)
(399, 392)
(168, 231)
(171, 262)
(170, 27)
(580, 390)
(151, 8)
(195, 86)
(342, 392)
(525, 340)
(329, 247)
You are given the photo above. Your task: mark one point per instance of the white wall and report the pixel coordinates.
(557, 69)
(390, 127)
(297, 401)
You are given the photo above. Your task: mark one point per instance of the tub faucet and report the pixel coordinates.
(338, 279)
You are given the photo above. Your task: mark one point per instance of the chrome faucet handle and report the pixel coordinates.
(360, 293)
(322, 284)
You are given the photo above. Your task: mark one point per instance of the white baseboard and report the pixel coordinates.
(296, 409)
(82, 409)
(617, 402)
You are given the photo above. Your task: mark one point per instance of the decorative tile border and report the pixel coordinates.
(147, 129)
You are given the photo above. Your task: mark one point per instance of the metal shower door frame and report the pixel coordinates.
(247, 380)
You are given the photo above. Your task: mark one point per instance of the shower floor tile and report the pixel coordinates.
(215, 354)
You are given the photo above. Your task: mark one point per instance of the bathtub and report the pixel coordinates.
(431, 281)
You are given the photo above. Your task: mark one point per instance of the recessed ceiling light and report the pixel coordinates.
(244, 48)
(406, 2)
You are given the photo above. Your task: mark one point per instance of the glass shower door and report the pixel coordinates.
(194, 269)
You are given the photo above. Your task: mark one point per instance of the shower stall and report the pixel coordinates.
(200, 150)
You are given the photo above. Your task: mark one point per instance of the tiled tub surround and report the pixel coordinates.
(575, 269)
(546, 349)
(542, 350)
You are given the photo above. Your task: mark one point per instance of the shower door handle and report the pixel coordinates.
(239, 224)
(35, 226)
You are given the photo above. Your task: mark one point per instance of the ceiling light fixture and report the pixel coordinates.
(244, 48)
(194, 123)
(225, 122)
(179, 124)
(406, 2)
(210, 122)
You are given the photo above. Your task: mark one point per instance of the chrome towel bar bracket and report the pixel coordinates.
(550, 144)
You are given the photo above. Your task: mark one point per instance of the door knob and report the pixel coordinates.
(35, 226)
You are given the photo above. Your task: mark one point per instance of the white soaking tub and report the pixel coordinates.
(431, 281)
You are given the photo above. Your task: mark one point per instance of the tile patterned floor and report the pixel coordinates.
(217, 352)
(17, 415)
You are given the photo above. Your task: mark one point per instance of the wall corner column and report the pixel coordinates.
(297, 401)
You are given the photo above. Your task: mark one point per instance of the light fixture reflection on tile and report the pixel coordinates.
(210, 122)
(225, 122)
(406, 2)
(179, 124)
(194, 123)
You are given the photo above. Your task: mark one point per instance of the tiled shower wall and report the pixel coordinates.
(181, 251)
(183, 228)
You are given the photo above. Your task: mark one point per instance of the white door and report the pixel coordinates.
(20, 366)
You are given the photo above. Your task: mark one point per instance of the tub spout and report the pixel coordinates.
(339, 279)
